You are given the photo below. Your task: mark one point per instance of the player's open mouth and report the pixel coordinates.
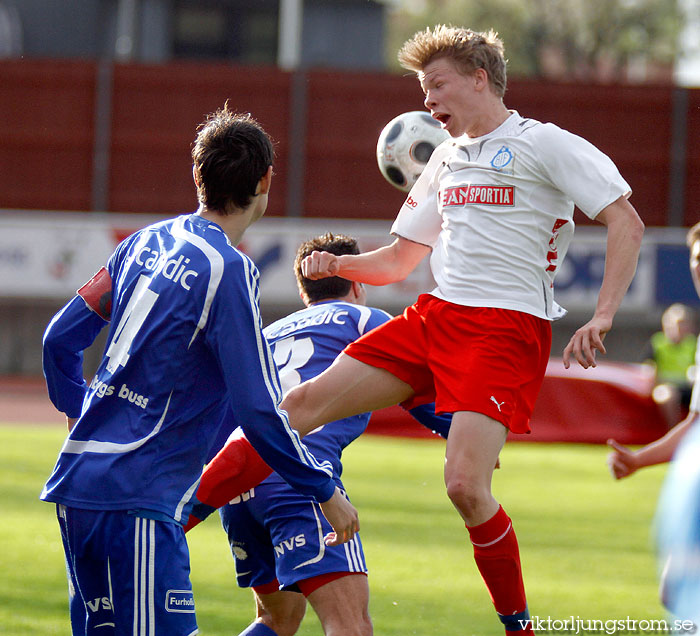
(443, 118)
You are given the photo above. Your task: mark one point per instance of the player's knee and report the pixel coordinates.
(286, 621)
(366, 627)
(361, 627)
(299, 406)
(281, 612)
(467, 496)
(293, 402)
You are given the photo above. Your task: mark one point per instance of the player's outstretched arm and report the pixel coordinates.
(623, 462)
(625, 230)
(388, 264)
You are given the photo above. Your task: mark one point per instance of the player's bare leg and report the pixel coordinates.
(342, 606)
(346, 388)
(473, 446)
(472, 450)
(277, 614)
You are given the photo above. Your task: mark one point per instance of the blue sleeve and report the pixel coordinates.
(425, 414)
(234, 334)
(70, 332)
(378, 317)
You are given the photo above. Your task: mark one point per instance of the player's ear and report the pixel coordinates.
(481, 79)
(195, 177)
(358, 290)
(265, 182)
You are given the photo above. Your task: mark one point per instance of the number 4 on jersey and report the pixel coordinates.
(139, 306)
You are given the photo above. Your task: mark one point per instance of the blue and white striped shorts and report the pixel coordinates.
(127, 575)
(275, 532)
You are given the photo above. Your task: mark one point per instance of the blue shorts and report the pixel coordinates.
(275, 532)
(126, 574)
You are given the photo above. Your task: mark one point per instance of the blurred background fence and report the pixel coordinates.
(90, 136)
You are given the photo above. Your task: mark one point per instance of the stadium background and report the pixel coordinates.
(99, 102)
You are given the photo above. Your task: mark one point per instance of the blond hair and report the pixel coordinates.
(693, 235)
(469, 49)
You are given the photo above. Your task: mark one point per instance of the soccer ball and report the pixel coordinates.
(405, 145)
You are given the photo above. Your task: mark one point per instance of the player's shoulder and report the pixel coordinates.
(547, 142)
(285, 325)
(545, 135)
(203, 246)
(365, 318)
(324, 317)
(212, 241)
(440, 158)
(360, 310)
(532, 130)
(380, 314)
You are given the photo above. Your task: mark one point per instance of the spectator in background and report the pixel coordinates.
(672, 353)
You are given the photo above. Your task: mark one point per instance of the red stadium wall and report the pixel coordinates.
(47, 124)
(46, 133)
(692, 174)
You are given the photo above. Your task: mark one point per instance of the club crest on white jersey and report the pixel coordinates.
(503, 158)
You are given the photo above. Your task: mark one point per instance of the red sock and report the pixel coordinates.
(498, 559)
(236, 469)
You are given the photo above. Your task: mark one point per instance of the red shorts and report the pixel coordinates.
(481, 359)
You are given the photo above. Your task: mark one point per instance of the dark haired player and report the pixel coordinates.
(276, 534)
(185, 343)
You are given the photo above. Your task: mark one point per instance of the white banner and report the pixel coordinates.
(51, 254)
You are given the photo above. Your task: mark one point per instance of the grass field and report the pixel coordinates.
(585, 541)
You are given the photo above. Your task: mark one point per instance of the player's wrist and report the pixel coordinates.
(342, 263)
(327, 492)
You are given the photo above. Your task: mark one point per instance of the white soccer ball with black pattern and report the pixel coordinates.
(405, 145)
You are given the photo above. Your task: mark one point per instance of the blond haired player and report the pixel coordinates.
(494, 209)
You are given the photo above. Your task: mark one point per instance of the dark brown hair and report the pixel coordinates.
(334, 286)
(231, 153)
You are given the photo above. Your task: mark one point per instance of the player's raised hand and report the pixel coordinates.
(622, 462)
(341, 514)
(319, 265)
(586, 341)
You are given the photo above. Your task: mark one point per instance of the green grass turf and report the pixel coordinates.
(585, 541)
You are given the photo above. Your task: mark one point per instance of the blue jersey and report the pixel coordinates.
(304, 344)
(185, 343)
(275, 533)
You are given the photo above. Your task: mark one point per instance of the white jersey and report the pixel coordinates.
(497, 212)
